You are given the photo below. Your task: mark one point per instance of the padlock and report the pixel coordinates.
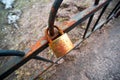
(61, 45)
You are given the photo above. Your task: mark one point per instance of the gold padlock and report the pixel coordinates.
(61, 45)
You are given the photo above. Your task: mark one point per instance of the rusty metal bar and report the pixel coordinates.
(40, 74)
(82, 16)
(41, 44)
(52, 16)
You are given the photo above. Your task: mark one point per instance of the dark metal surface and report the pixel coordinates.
(4, 53)
(42, 44)
(99, 17)
(88, 25)
(52, 16)
(11, 53)
(82, 16)
(117, 14)
(42, 59)
(96, 2)
(114, 10)
(117, 9)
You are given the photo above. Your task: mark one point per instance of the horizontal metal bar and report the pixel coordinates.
(82, 16)
(45, 70)
(98, 26)
(4, 53)
(41, 44)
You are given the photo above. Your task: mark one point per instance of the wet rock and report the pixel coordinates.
(13, 17)
(8, 3)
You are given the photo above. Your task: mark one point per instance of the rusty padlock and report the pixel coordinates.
(61, 45)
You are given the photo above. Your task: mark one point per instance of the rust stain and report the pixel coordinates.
(61, 46)
(43, 38)
(68, 23)
(35, 46)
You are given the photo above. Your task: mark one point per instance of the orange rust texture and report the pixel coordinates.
(61, 45)
(35, 46)
(69, 23)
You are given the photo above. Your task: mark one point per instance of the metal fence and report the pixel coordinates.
(20, 58)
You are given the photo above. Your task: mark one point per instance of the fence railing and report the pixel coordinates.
(20, 58)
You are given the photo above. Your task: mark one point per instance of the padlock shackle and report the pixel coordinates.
(48, 36)
(52, 15)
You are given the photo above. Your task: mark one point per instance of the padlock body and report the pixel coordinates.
(61, 46)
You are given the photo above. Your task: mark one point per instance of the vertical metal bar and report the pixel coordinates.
(96, 2)
(99, 17)
(117, 14)
(52, 16)
(118, 4)
(117, 9)
(88, 25)
(90, 19)
(113, 15)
